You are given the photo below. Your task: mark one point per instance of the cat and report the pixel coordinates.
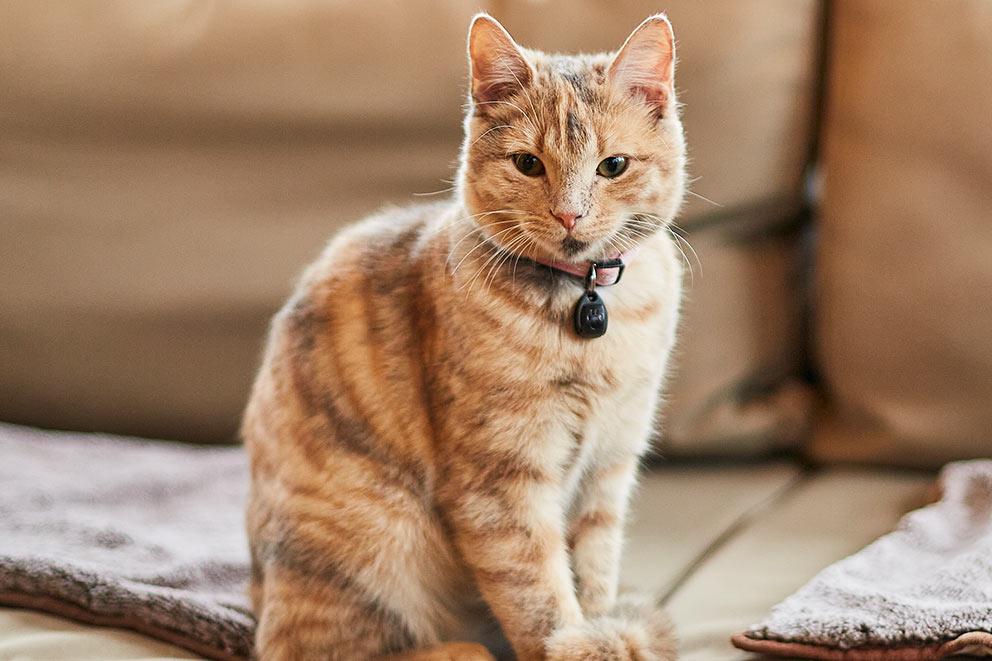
(439, 457)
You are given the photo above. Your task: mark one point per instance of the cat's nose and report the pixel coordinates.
(567, 218)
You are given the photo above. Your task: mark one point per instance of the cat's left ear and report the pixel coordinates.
(498, 66)
(645, 65)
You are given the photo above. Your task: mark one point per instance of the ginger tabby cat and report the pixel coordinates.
(439, 459)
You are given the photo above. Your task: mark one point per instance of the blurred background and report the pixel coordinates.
(167, 169)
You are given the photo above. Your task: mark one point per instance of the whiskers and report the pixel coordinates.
(676, 232)
(435, 192)
(698, 196)
(640, 227)
(512, 240)
(438, 192)
(477, 230)
(513, 249)
(703, 198)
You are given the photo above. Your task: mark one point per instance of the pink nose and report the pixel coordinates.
(567, 218)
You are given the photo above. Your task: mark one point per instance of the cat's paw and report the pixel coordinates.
(635, 630)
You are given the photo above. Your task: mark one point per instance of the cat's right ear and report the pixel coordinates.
(497, 66)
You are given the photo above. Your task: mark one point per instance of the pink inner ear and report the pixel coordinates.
(655, 95)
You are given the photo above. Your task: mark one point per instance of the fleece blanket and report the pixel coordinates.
(143, 535)
(921, 592)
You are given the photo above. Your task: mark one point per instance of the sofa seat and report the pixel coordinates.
(720, 544)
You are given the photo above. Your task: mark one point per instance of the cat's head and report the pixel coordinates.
(572, 157)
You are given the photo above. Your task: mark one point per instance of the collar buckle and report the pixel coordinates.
(616, 263)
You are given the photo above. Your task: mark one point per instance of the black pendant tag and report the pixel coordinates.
(590, 315)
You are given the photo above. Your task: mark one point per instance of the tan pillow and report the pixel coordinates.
(905, 255)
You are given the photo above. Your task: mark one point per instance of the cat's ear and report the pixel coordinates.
(645, 65)
(498, 66)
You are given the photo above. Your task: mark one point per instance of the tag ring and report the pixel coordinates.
(591, 277)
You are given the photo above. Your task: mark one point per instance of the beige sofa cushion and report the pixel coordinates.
(905, 252)
(166, 170)
(735, 390)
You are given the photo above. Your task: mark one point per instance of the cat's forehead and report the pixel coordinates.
(562, 76)
(576, 108)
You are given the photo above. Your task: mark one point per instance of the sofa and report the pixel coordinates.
(167, 169)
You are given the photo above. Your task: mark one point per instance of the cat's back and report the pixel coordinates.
(345, 346)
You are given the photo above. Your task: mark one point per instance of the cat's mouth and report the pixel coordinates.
(570, 247)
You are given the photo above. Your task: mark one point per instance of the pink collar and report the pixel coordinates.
(608, 271)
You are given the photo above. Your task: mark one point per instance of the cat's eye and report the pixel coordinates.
(528, 164)
(612, 166)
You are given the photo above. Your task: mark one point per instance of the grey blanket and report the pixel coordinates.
(921, 592)
(142, 535)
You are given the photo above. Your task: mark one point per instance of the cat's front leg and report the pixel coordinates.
(507, 522)
(596, 533)
(625, 627)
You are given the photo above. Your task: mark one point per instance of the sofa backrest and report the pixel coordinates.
(167, 168)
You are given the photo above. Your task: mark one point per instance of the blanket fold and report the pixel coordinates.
(924, 591)
(141, 535)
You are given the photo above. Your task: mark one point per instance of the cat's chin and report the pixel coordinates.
(571, 249)
(596, 251)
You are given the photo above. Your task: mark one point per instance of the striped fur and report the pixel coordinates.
(436, 456)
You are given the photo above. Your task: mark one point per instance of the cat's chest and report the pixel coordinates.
(598, 411)
(605, 398)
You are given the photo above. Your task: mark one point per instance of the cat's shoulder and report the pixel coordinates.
(390, 241)
(390, 228)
